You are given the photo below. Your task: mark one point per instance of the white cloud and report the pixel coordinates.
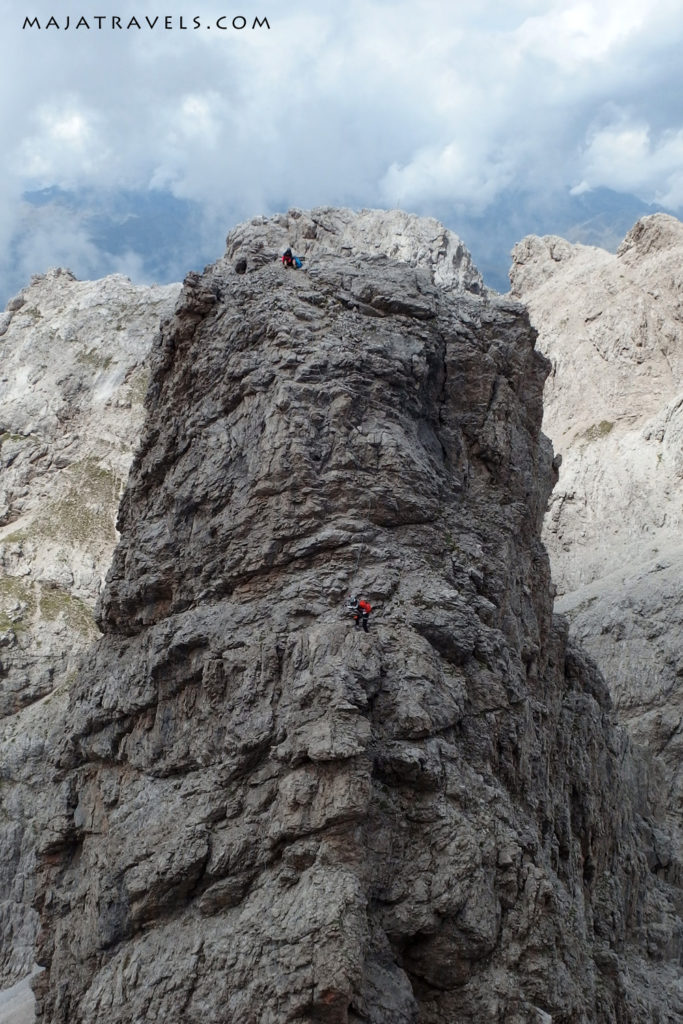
(64, 146)
(624, 156)
(571, 34)
(366, 102)
(455, 172)
(63, 238)
(199, 118)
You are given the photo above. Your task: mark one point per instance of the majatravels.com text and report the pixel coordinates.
(167, 22)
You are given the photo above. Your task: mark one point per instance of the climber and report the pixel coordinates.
(361, 611)
(289, 260)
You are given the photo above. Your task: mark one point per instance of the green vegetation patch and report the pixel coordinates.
(15, 538)
(137, 386)
(579, 609)
(99, 482)
(451, 542)
(56, 603)
(15, 591)
(72, 520)
(84, 516)
(87, 512)
(21, 601)
(92, 357)
(597, 431)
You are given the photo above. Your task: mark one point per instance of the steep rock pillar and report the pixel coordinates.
(267, 816)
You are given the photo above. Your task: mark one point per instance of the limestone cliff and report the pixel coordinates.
(72, 383)
(614, 411)
(261, 815)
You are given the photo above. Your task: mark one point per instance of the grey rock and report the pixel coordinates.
(74, 380)
(17, 1003)
(338, 235)
(71, 406)
(262, 815)
(614, 410)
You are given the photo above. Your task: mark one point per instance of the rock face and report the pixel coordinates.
(614, 410)
(418, 242)
(68, 424)
(72, 383)
(262, 815)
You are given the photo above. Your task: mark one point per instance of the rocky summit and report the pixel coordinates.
(259, 814)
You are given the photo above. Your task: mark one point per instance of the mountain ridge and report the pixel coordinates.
(396, 826)
(614, 409)
(436, 820)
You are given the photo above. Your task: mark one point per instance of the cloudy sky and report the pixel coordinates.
(136, 149)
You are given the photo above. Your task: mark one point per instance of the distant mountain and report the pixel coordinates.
(154, 237)
(150, 236)
(612, 327)
(598, 217)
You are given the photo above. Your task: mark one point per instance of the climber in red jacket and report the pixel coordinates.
(361, 611)
(289, 260)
